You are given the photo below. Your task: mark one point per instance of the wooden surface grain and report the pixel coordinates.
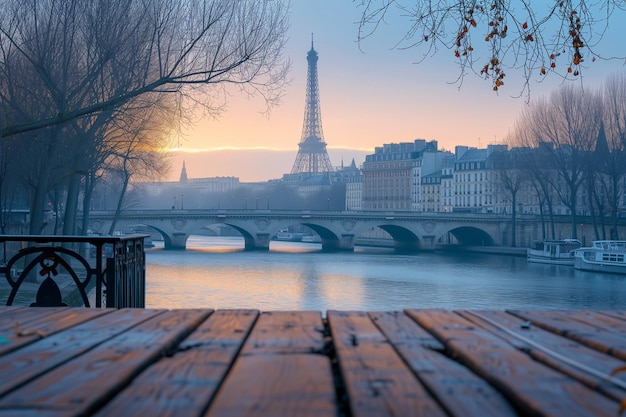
(201, 362)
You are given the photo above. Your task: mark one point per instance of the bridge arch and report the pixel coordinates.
(331, 241)
(468, 236)
(257, 241)
(167, 240)
(170, 240)
(404, 240)
(333, 237)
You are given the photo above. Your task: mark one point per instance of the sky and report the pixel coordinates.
(370, 94)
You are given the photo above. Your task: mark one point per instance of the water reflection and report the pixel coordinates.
(217, 273)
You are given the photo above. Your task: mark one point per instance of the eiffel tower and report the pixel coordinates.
(312, 157)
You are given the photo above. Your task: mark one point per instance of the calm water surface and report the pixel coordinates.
(217, 273)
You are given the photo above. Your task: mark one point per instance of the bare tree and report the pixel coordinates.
(68, 66)
(565, 126)
(538, 169)
(135, 142)
(508, 165)
(490, 37)
(161, 47)
(23, 95)
(8, 181)
(614, 162)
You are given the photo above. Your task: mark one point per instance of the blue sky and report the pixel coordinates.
(369, 96)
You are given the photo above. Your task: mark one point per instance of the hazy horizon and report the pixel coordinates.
(249, 165)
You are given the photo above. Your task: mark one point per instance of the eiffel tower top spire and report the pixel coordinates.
(312, 156)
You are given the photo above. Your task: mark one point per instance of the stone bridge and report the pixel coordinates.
(337, 230)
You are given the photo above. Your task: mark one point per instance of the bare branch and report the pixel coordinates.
(489, 38)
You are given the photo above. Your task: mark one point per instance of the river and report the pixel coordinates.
(215, 272)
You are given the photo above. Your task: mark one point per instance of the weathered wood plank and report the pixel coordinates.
(286, 332)
(602, 321)
(378, 382)
(458, 390)
(568, 325)
(587, 365)
(33, 360)
(401, 330)
(533, 388)
(621, 314)
(277, 385)
(280, 371)
(44, 323)
(82, 385)
(23, 315)
(616, 314)
(186, 382)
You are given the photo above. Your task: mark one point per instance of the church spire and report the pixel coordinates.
(183, 173)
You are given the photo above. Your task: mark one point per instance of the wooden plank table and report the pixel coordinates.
(200, 362)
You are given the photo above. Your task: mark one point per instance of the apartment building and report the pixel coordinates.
(392, 175)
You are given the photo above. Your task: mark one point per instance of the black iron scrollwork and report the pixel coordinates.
(50, 259)
(49, 293)
(114, 276)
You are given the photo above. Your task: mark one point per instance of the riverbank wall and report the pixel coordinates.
(494, 250)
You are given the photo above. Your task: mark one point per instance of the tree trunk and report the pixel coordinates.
(90, 183)
(572, 208)
(513, 215)
(542, 216)
(120, 201)
(71, 205)
(38, 201)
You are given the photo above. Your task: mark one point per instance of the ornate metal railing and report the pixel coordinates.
(100, 271)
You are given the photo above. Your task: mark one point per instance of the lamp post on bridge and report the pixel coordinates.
(182, 201)
(267, 197)
(256, 203)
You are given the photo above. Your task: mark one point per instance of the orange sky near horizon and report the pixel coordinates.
(369, 96)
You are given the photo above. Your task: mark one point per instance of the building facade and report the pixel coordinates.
(392, 175)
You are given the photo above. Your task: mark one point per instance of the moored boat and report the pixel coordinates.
(286, 236)
(556, 252)
(602, 256)
(311, 239)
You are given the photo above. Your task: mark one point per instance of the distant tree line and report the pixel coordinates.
(89, 89)
(570, 149)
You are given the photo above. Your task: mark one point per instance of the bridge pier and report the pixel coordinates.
(428, 243)
(258, 242)
(406, 246)
(345, 243)
(177, 241)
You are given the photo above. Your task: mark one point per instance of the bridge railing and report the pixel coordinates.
(90, 271)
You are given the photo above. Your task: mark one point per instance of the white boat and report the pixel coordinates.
(556, 252)
(311, 239)
(602, 256)
(286, 236)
